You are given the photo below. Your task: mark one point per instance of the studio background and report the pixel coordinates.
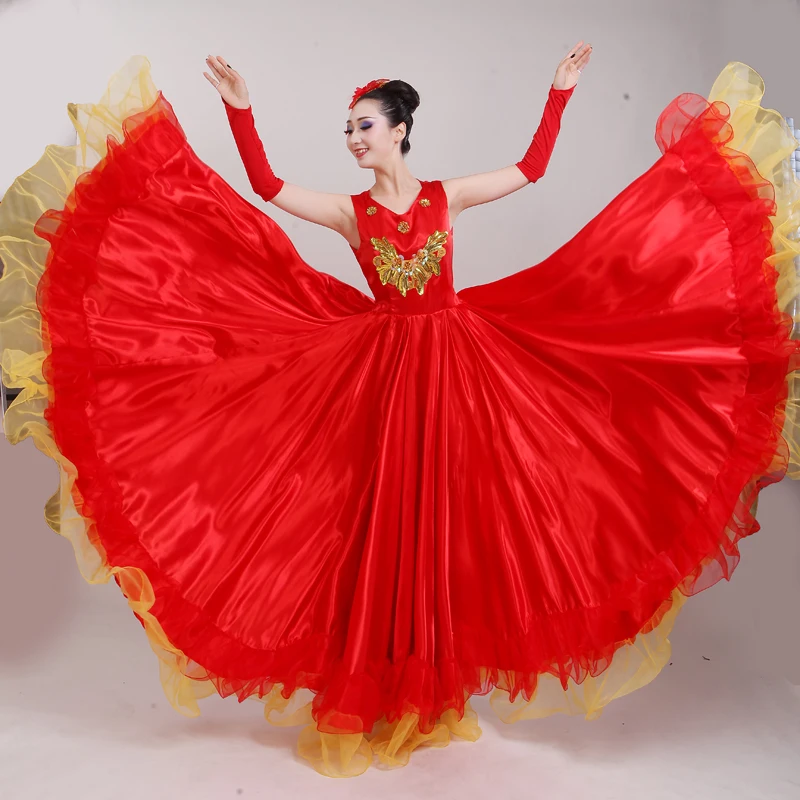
(81, 707)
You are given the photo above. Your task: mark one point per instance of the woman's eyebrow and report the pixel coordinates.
(359, 119)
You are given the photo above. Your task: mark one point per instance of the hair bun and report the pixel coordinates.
(405, 92)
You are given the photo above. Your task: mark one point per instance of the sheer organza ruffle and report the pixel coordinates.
(729, 145)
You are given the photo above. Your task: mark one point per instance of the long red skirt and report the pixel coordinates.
(363, 519)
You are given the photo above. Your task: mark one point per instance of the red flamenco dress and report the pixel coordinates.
(360, 510)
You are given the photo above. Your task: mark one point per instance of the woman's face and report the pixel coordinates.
(368, 135)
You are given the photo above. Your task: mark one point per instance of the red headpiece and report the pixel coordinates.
(362, 90)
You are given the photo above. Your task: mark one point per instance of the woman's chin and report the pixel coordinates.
(365, 162)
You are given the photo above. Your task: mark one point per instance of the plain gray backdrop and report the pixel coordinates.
(81, 709)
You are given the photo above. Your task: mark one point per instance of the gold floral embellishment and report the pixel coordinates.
(414, 273)
(404, 227)
(424, 202)
(372, 210)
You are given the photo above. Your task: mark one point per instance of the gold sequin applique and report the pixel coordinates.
(414, 273)
(424, 202)
(404, 227)
(371, 210)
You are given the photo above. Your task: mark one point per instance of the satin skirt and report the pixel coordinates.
(360, 518)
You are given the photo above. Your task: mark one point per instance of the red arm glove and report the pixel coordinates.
(534, 163)
(251, 150)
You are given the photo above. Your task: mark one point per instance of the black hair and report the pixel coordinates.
(398, 101)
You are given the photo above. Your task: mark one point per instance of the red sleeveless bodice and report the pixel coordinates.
(407, 258)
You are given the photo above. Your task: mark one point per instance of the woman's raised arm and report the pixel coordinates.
(330, 210)
(472, 190)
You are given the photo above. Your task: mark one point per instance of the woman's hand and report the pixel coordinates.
(229, 83)
(568, 70)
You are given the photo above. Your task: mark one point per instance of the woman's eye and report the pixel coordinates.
(363, 128)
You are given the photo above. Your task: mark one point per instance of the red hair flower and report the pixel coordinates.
(362, 90)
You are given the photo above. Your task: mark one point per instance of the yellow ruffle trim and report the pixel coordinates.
(760, 133)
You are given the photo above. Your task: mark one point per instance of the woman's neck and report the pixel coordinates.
(396, 183)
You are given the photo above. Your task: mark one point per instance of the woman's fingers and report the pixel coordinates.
(211, 80)
(587, 48)
(584, 58)
(225, 78)
(572, 50)
(216, 66)
(227, 71)
(212, 63)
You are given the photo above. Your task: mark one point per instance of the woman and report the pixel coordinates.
(364, 510)
(379, 142)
